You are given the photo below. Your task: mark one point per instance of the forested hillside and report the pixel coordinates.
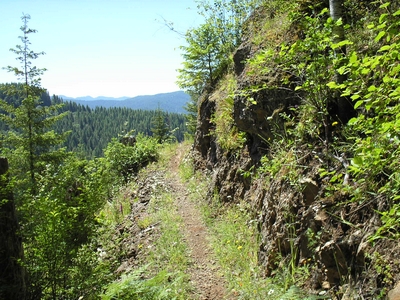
(173, 102)
(91, 129)
(54, 202)
(294, 168)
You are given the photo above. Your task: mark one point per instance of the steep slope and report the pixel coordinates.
(268, 134)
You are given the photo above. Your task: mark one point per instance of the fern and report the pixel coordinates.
(133, 286)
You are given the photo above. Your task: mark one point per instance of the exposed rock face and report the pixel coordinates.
(204, 142)
(299, 220)
(257, 119)
(395, 293)
(239, 58)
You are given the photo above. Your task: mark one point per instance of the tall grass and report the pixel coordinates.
(165, 274)
(235, 242)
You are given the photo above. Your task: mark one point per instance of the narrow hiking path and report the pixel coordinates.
(204, 272)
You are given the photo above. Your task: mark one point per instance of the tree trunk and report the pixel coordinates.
(335, 9)
(12, 274)
(344, 107)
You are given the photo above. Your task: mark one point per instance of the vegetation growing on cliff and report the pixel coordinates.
(317, 112)
(301, 196)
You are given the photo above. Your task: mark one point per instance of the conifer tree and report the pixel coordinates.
(29, 142)
(160, 128)
(202, 58)
(191, 116)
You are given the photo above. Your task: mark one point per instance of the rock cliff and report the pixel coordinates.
(299, 219)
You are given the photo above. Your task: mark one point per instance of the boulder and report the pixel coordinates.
(394, 294)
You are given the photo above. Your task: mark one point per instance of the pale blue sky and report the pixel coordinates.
(100, 47)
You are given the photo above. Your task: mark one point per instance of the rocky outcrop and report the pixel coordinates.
(394, 294)
(204, 142)
(128, 140)
(299, 220)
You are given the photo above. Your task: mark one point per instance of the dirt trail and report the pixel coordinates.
(204, 271)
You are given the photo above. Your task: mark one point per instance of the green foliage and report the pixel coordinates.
(28, 133)
(165, 275)
(304, 66)
(235, 243)
(59, 220)
(133, 286)
(234, 238)
(373, 85)
(202, 59)
(117, 207)
(160, 128)
(284, 161)
(89, 272)
(68, 207)
(227, 134)
(124, 160)
(88, 131)
(93, 129)
(27, 73)
(383, 268)
(191, 116)
(210, 45)
(30, 142)
(227, 17)
(57, 196)
(170, 246)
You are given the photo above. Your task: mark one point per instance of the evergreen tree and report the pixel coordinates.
(202, 58)
(29, 139)
(160, 128)
(191, 116)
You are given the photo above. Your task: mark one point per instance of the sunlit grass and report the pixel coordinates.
(170, 252)
(234, 240)
(116, 209)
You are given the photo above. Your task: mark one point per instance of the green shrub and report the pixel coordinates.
(126, 160)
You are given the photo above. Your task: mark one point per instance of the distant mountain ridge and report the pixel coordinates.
(168, 102)
(90, 98)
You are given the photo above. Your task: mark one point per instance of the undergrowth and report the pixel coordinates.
(228, 135)
(234, 240)
(164, 275)
(170, 250)
(132, 286)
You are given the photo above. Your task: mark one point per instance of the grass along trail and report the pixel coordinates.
(188, 247)
(197, 248)
(204, 272)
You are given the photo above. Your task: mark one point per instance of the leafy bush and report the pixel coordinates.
(125, 160)
(58, 221)
(373, 85)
